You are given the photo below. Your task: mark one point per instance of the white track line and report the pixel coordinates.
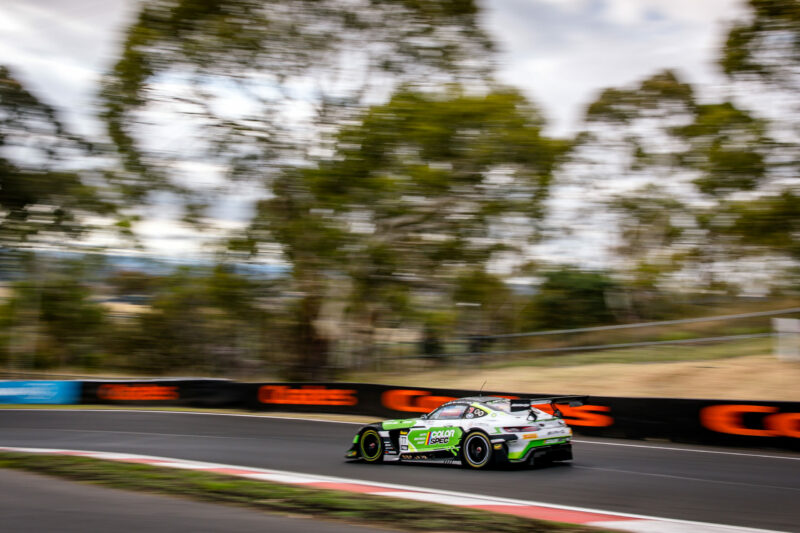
(692, 450)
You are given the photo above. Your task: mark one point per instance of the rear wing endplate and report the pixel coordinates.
(523, 404)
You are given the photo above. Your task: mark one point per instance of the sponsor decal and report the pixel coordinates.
(306, 395)
(401, 424)
(530, 436)
(412, 401)
(119, 392)
(730, 419)
(44, 392)
(439, 437)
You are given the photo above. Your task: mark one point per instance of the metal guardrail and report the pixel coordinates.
(700, 340)
(636, 325)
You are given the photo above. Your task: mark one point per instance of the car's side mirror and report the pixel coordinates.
(424, 417)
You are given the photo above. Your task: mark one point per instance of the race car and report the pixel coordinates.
(475, 431)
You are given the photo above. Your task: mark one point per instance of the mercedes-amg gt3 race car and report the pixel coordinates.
(477, 431)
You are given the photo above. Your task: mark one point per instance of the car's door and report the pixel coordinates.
(441, 430)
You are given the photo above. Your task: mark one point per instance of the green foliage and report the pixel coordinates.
(39, 198)
(197, 321)
(418, 190)
(570, 298)
(771, 222)
(728, 146)
(663, 91)
(768, 45)
(267, 53)
(53, 315)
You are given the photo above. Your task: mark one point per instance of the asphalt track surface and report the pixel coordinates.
(735, 487)
(42, 503)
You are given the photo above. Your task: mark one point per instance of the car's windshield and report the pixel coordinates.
(500, 404)
(448, 412)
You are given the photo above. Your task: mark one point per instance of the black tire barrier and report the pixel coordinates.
(211, 393)
(748, 424)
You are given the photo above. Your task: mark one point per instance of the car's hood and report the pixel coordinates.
(400, 423)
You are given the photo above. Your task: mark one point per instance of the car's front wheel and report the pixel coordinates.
(476, 450)
(371, 446)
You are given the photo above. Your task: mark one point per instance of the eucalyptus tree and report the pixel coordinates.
(668, 164)
(761, 57)
(235, 88)
(417, 192)
(48, 189)
(209, 94)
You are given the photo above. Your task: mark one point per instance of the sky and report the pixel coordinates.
(561, 53)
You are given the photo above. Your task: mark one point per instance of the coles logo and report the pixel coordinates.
(440, 437)
(422, 401)
(595, 416)
(307, 395)
(137, 392)
(729, 418)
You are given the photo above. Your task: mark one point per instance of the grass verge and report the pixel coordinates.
(277, 498)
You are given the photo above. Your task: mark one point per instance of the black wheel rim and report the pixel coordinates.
(370, 446)
(477, 450)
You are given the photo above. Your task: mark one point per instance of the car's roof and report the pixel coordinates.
(479, 399)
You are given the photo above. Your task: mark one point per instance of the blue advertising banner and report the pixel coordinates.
(44, 392)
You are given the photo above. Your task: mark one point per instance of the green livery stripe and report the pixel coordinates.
(399, 424)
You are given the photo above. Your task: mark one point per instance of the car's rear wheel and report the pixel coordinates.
(371, 446)
(476, 450)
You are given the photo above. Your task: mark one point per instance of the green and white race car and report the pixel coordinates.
(477, 431)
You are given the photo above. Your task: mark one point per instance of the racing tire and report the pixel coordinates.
(476, 450)
(370, 446)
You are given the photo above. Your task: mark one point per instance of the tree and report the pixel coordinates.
(198, 320)
(570, 298)
(42, 197)
(421, 189)
(762, 56)
(246, 85)
(53, 320)
(653, 234)
(771, 223)
(767, 46)
(683, 162)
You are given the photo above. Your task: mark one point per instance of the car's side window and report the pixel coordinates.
(474, 412)
(448, 412)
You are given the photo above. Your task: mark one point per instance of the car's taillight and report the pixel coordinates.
(520, 429)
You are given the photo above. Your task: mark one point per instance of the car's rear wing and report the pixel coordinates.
(523, 404)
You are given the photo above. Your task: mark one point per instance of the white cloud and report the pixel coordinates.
(563, 53)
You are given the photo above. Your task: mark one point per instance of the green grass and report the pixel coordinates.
(377, 511)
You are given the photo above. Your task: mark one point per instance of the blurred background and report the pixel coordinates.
(403, 191)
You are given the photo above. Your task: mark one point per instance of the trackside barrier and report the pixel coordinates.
(39, 392)
(212, 393)
(753, 424)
